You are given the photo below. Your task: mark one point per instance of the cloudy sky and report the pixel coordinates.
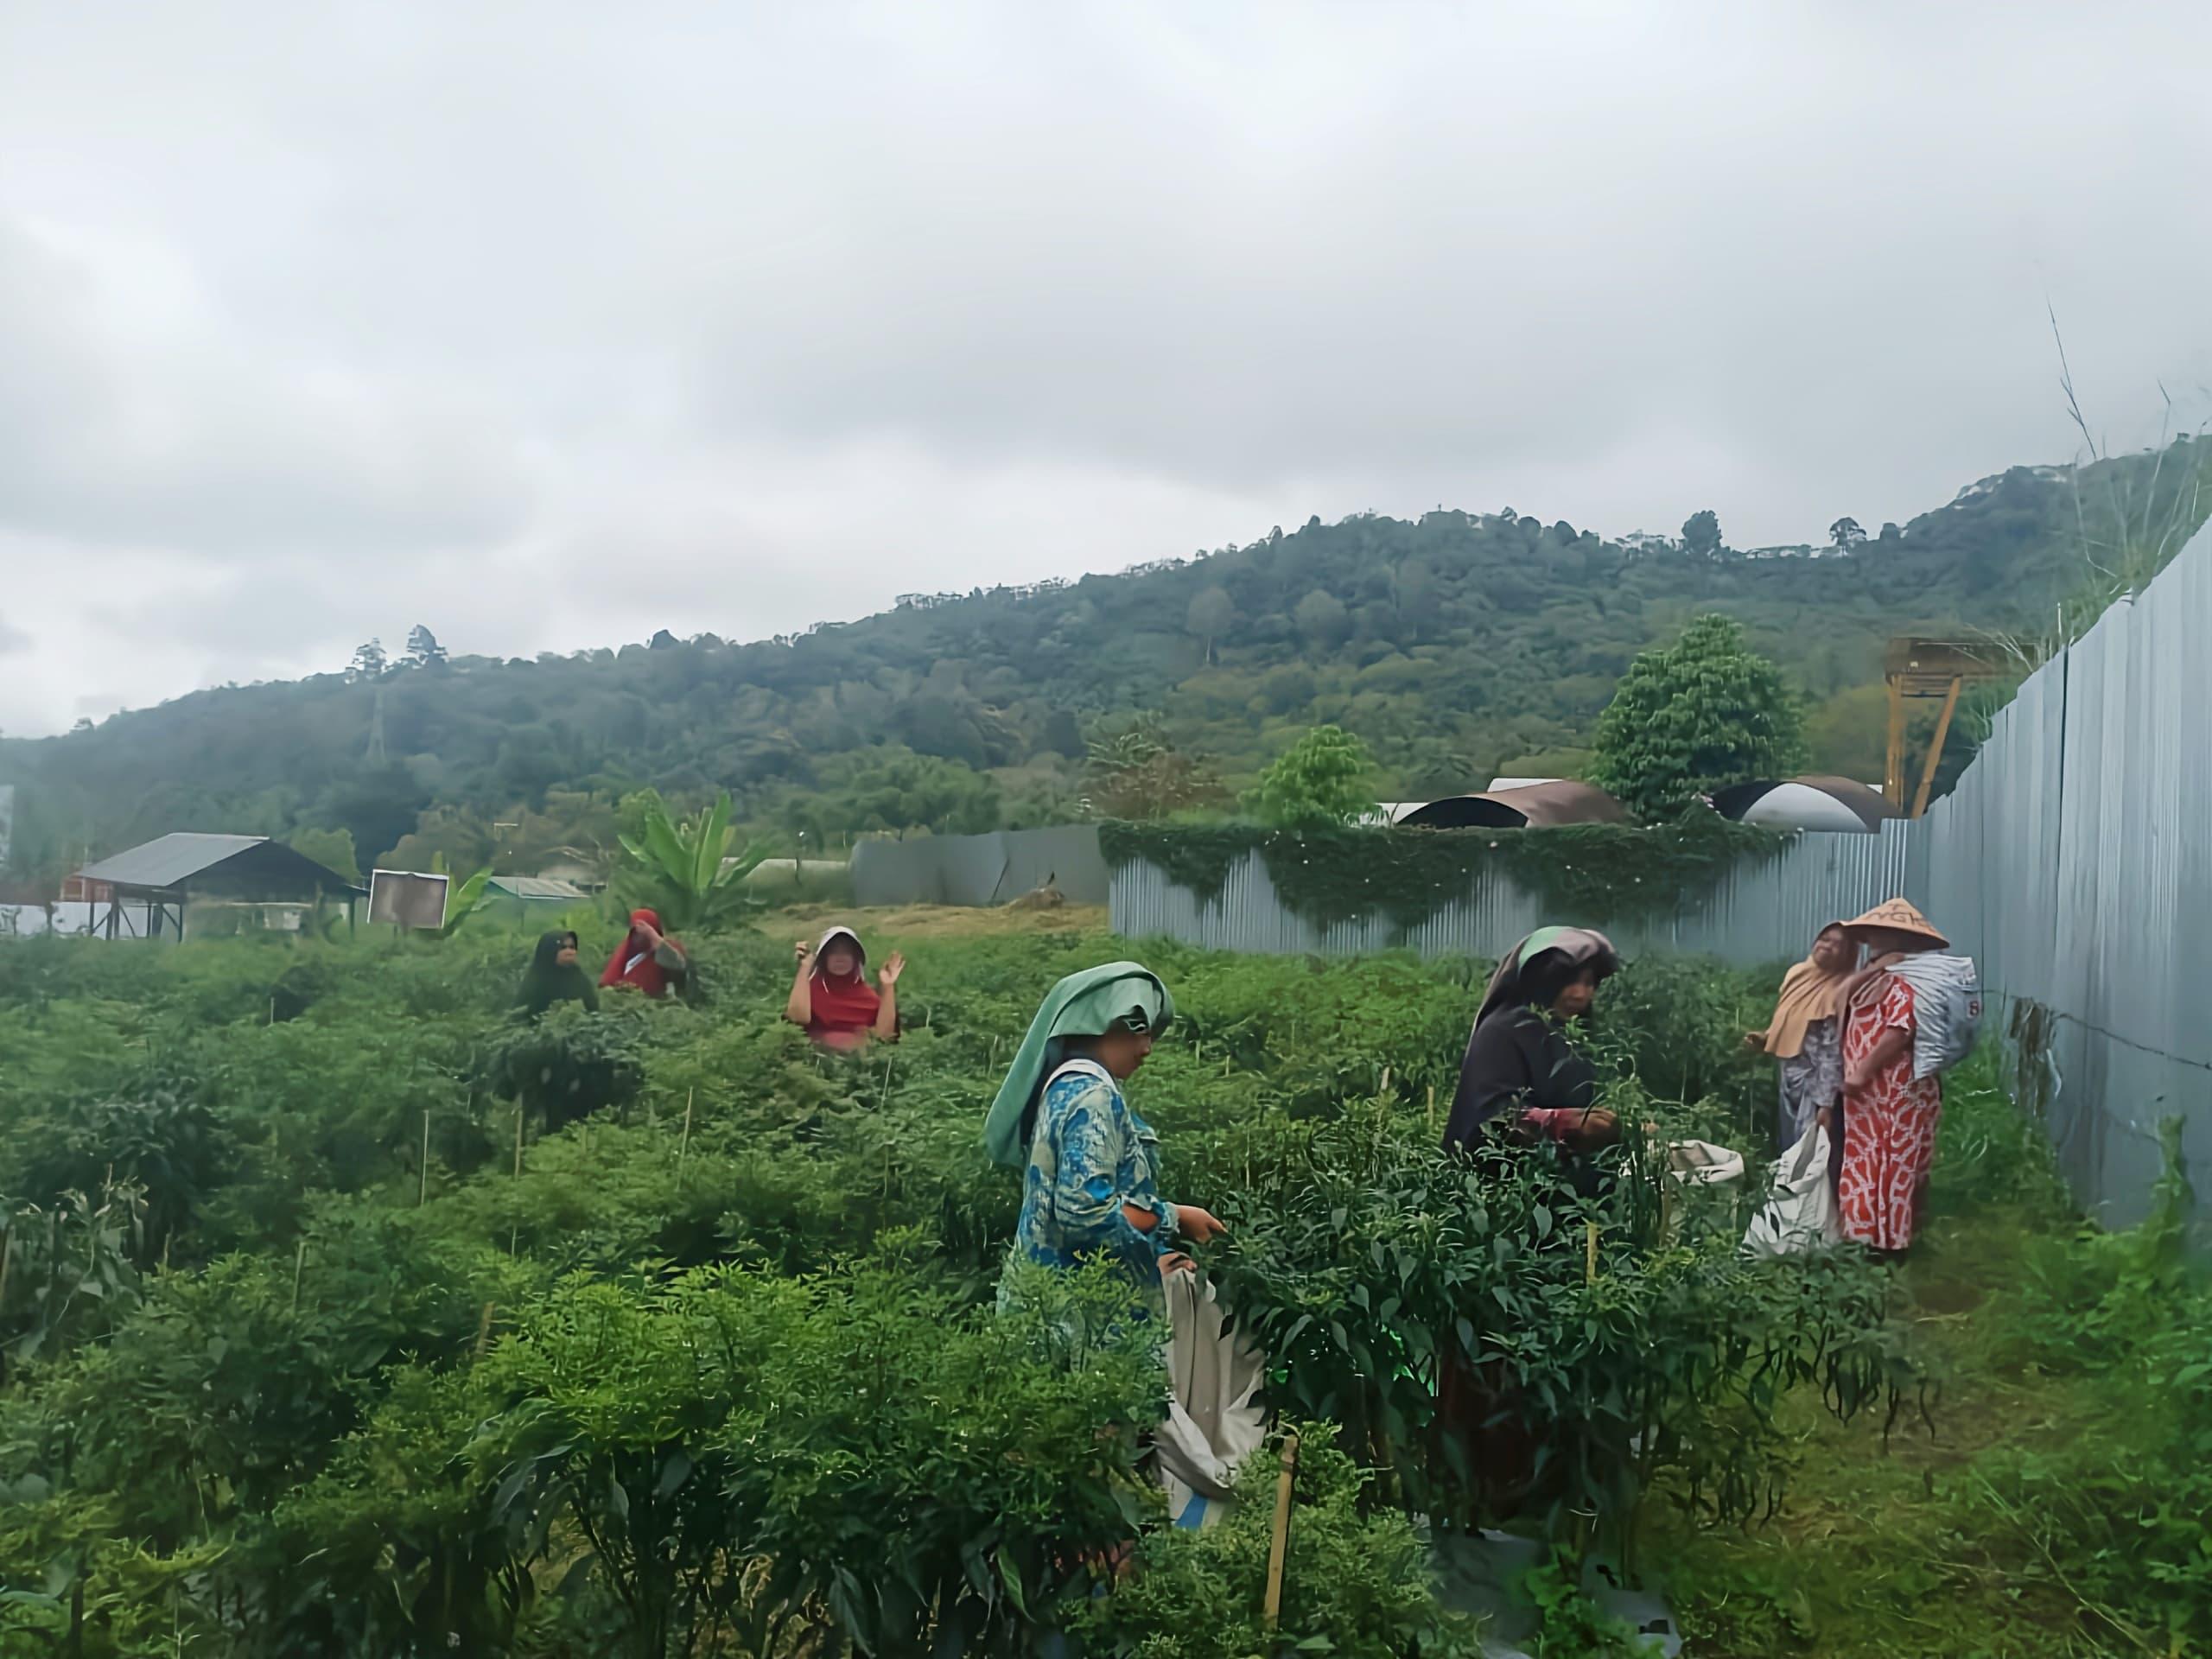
(549, 325)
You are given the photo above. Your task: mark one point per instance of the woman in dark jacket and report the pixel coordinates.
(1520, 1071)
(1521, 1080)
(554, 976)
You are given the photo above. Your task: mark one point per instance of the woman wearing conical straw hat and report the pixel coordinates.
(1889, 1116)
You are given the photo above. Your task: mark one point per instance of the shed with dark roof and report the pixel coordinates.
(164, 874)
(1534, 806)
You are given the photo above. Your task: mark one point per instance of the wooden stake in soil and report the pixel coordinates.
(1431, 1108)
(684, 1147)
(515, 1230)
(1590, 1256)
(484, 1331)
(299, 1266)
(1279, 1546)
(423, 1193)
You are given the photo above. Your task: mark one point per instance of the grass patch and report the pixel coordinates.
(2042, 1507)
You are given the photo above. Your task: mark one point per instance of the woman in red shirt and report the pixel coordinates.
(1889, 1115)
(832, 999)
(647, 959)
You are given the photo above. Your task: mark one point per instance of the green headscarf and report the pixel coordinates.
(1580, 947)
(1082, 1004)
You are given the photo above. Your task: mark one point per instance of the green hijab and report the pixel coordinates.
(1082, 1004)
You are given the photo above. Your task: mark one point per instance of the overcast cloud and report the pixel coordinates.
(549, 325)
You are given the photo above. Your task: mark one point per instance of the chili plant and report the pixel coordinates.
(1370, 1265)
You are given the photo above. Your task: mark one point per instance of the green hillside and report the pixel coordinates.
(1457, 645)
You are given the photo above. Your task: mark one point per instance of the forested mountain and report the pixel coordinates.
(1457, 645)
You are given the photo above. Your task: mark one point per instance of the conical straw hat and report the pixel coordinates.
(1899, 916)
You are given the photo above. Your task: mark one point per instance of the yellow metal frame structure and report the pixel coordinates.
(1921, 669)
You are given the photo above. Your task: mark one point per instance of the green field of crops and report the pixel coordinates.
(317, 1342)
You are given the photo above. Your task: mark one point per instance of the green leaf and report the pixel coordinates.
(1010, 1575)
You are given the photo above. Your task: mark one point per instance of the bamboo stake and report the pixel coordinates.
(299, 1266)
(7, 1260)
(1279, 1546)
(423, 1193)
(684, 1147)
(514, 1229)
(483, 1331)
(1590, 1253)
(1431, 1108)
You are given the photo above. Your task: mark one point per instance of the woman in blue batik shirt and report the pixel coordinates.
(1090, 1187)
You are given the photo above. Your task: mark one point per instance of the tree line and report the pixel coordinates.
(1453, 646)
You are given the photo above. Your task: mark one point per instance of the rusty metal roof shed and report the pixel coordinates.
(1534, 806)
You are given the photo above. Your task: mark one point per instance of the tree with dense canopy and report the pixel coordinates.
(1322, 779)
(1701, 533)
(1704, 713)
(423, 648)
(1209, 618)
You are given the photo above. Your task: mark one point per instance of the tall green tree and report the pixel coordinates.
(423, 648)
(1701, 714)
(1701, 533)
(1322, 617)
(1327, 777)
(1209, 617)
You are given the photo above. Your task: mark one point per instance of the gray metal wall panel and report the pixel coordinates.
(1766, 912)
(980, 870)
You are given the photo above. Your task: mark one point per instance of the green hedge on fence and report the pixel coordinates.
(1329, 875)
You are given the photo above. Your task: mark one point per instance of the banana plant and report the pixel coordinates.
(465, 901)
(686, 868)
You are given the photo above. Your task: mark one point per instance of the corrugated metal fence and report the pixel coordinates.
(976, 870)
(2074, 862)
(1764, 912)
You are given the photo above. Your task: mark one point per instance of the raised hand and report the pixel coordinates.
(893, 965)
(803, 952)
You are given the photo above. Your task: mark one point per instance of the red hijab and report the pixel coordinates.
(844, 1005)
(632, 961)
